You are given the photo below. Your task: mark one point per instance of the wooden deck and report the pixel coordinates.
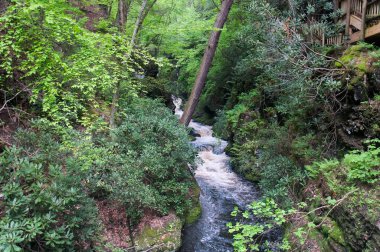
(361, 19)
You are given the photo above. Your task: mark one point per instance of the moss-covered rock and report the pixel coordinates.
(359, 58)
(194, 212)
(312, 241)
(333, 232)
(361, 78)
(159, 234)
(359, 230)
(336, 234)
(360, 62)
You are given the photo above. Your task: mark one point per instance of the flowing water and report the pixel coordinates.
(222, 189)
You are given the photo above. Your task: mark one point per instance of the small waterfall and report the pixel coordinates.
(222, 189)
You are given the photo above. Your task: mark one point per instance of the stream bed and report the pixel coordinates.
(221, 190)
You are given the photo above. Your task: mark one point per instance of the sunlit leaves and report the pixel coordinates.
(68, 69)
(248, 232)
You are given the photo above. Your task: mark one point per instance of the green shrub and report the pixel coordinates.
(303, 149)
(144, 163)
(279, 177)
(44, 204)
(364, 166)
(248, 236)
(233, 115)
(262, 153)
(221, 124)
(324, 167)
(356, 166)
(47, 177)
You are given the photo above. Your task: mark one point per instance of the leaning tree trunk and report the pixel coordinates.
(206, 63)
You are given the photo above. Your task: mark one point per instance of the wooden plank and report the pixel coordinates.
(373, 30)
(356, 7)
(369, 32)
(356, 22)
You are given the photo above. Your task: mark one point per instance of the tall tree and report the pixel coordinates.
(122, 13)
(138, 22)
(140, 19)
(144, 11)
(206, 62)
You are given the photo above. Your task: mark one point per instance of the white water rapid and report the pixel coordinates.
(222, 189)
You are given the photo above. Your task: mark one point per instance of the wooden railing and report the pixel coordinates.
(373, 9)
(358, 26)
(335, 40)
(357, 7)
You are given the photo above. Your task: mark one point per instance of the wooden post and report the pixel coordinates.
(364, 14)
(206, 63)
(336, 7)
(323, 37)
(348, 16)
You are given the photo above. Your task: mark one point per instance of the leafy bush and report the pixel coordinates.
(221, 124)
(69, 70)
(233, 115)
(262, 153)
(364, 166)
(43, 204)
(144, 163)
(280, 177)
(356, 166)
(323, 167)
(267, 216)
(46, 177)
(303, 149)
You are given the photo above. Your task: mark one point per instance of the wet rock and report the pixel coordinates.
(194, 134)
(195, 211)
(360, 122)
(360, 233)
(315, 242)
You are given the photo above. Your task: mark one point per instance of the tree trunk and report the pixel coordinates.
(206, 63)
(115, 101)
(122, 13)
(139, 21)
(336, 8)
(142, 14)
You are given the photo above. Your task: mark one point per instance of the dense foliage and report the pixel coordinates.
(302, 119)
(85, 69)
(144, 160)
(284, 103)
(67, 70)
(49, 183)
(44, 201)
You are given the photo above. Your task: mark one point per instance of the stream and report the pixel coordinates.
(222, 190)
